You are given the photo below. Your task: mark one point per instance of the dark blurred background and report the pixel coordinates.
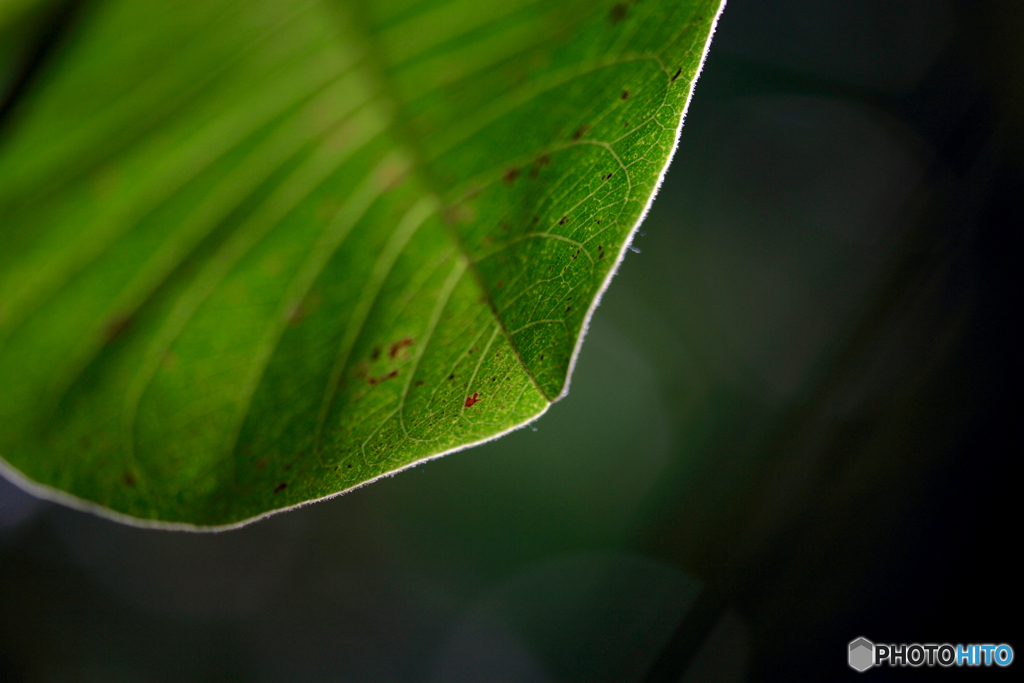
(796, 420)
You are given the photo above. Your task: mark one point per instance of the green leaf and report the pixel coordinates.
(258, 253)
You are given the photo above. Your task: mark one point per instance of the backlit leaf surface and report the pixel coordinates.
(257, 253)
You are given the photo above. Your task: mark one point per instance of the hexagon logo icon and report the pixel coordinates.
(862, 654)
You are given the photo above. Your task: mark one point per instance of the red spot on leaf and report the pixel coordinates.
(470, 400)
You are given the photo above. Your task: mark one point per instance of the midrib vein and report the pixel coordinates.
(375, 68)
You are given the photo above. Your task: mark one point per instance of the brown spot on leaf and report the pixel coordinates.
(501, 283)
(617, 14)
(116, 326)
(303, 309)
(458, 213)
(280, 487)
(562, 220)
(542, 161)
(375, 354)
(470, 400)
(129, 479)
(419, 383)
(260, 463)
(373, 381)
(624, 96)
(398, 346)
(580, 132)
(391, 175)
(676, 74)
(510, 175)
